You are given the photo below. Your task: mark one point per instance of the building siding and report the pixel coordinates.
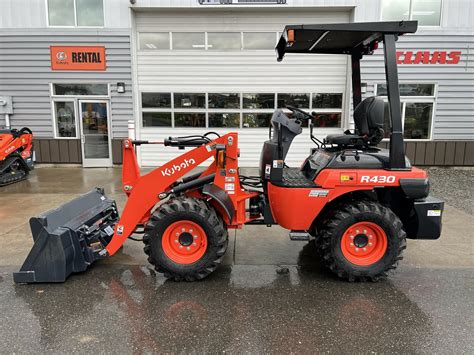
(454, 103)
(25, 74)
(28, 14)
(234, 71)
(25, 69)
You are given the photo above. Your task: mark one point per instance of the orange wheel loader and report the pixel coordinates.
(357, 201)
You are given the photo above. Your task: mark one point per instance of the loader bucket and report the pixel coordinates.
(69, 238)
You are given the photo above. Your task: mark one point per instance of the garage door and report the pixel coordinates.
(216, 70)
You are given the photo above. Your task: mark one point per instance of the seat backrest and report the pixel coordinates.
(368, 119)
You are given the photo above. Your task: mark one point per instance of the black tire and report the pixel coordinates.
(199, 212)
(333, 228)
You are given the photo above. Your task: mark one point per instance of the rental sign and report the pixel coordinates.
(78, 58)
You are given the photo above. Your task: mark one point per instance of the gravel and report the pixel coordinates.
(454, 185)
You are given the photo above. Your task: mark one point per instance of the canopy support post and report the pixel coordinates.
(397, 146)
(356, 85)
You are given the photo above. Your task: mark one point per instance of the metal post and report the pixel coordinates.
(7, 121)
(356, 90)
(397, 147)
(131, 129)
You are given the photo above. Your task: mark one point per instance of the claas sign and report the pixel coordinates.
(427, 57)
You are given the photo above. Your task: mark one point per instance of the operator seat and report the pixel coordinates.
(368, 119)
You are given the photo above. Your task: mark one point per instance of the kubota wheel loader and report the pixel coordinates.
(357, 201)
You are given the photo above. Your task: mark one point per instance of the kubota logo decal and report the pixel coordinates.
(176, 168)
(10, 149)
(61, 56)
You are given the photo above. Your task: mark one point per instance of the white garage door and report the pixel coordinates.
(217, 70)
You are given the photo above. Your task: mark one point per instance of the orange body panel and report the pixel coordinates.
(9, 144)
(292, 208)
(296, 208)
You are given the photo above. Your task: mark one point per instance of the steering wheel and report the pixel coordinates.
(304, 113)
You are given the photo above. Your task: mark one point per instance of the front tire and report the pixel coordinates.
(361, 241)
(185, 239)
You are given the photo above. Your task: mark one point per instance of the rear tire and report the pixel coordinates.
(185, 239)
(361, 241)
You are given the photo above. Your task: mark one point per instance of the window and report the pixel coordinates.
(189, 119)
(409, 90)
(253, 101)
(156, 119)
(80, 13)
(81, 89)
(212, 41)
(61, 13)
(426, 12)
(153, 41)
(189, 100)
(395, 10)
(417, 103)
(223, 41)
(64, 113)
(297, 100)
(327, 101)
(65, 108)
(256, 120)
(417, 120)
(327, 119)
(189, 40)
(259, 40)
(224, 120)
(328, 109)
(234, 110)
(156, 99)
(224, 101)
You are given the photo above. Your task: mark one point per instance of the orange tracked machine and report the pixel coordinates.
(16, 155)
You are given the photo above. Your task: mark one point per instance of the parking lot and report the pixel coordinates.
(271, 295)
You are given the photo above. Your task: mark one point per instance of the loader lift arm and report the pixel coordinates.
(143, 191)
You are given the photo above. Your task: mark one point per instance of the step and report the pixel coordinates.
(299, 235)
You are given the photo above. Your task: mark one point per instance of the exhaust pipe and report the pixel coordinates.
(69, 238)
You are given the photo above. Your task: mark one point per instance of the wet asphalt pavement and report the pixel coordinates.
(270, 296)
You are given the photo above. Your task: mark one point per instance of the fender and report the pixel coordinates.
(221, 197)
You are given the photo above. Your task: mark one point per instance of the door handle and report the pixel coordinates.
(83, 139)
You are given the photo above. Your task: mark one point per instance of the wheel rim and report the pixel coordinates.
(184, 242)
(364, 243)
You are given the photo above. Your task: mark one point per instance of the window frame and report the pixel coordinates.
(75, 98)
(414, 99)
(197, 49)
(242, 43)
(75, 17)
(55, 126)
(410, 15)
(206, 41)
(224, 50)
(170, 42)
(241, 111)
(52, 94)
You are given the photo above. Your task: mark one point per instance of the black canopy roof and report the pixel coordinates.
(344, 38)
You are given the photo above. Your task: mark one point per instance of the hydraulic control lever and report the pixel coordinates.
(315, 140)
(187, 141)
